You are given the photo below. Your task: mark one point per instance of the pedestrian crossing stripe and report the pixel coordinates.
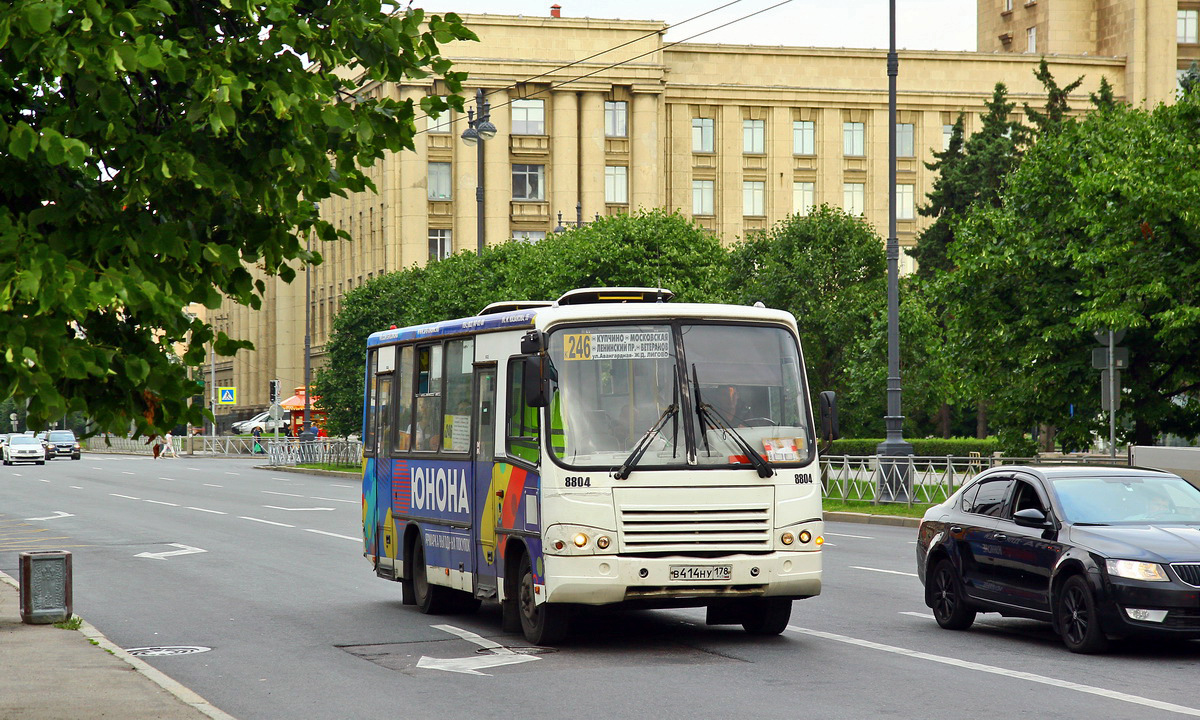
(226, 396)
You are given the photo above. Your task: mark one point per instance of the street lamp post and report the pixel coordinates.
(308, 322)
(894, 477)
(479, 129)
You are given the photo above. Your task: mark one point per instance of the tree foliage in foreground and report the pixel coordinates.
(153, 154)
(1098, 229)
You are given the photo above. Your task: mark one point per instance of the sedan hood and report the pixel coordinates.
(1152, 543)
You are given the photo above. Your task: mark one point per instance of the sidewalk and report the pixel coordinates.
(51, 674)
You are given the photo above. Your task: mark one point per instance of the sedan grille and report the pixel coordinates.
(1188, 572)
(730, 520)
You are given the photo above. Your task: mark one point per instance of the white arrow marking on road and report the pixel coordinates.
(276, 507)
(472, 665)
(183, 550)
(57, 514)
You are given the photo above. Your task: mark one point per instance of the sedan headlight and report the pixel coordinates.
(1135, 570)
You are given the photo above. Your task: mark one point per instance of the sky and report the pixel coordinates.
(920, 24)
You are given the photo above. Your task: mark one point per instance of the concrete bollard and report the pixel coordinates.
(45, 579)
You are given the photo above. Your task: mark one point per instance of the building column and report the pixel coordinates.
(497, 172)
(645, 178)
(411, 232)
(591, 154)
(564, 156)
(728, 200)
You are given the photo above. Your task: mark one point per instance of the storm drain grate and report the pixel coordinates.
(167, 650)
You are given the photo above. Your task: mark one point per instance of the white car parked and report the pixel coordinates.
(23, 448)
(262, 421)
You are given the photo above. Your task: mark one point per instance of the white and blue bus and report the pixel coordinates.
(609, 448)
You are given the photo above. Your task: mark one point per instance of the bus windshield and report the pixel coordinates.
(613, 383)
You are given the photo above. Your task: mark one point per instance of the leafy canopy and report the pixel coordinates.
(157, 153)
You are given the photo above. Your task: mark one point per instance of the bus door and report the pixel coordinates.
(485, 504)
(386, 535)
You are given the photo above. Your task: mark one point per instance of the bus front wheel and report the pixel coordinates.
(542, 624)
(767, 616)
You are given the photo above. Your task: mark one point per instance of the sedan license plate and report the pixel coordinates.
(701, 572)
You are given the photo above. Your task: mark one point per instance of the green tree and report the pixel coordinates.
(1051, 117)
(829, 270)
(1097, 230)
(161, 153)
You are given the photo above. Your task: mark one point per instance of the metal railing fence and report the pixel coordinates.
(323, 451)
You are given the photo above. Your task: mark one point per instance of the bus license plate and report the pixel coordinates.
(701, 572)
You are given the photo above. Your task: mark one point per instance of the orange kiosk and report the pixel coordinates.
(295, 406)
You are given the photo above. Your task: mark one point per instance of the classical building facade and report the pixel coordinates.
(609, 118)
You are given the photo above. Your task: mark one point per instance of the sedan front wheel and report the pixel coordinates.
(1078, 621)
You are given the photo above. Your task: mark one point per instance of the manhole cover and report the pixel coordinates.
(520, 650)
(165, 650)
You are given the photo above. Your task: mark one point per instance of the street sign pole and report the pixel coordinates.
(1112, 398)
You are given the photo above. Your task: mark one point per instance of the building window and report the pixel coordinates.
(441, 123)
(528, 117)
(439, 181)
(905, 209)
(904, 139)
(1031, 39)
(947, 133)
(853, 139)
(702, 196)
(529, 182)
(529, 236)
(702, 135)
(804, 137)
(1186, 26)
(754, 136)
(754, 197)
(804, 195)
(616, 184)
(852, 198)
(615, 119)
(440, 246)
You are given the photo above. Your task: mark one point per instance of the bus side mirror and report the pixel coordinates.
(535, 383)
(829, 417)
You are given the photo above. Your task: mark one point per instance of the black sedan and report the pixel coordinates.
(1098, 552)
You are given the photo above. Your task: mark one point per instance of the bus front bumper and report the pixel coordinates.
(676, 581)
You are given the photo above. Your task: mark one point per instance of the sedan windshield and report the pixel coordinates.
(62, 436)
(1105, 501)
(614, 384)
(23, 440)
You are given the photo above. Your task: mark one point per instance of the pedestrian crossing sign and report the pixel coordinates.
(227, 396)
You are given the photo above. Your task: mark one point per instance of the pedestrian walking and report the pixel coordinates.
(257, 433)
(169, 446)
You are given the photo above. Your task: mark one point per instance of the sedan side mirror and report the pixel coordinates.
(1032, 518)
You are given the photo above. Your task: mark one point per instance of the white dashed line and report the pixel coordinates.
(214, 512)
(860, 537)
(271, 492)
(41, 480)
(889, 572)
(167, 479)
(160, 502)
(925, 616)
(994, 670)
(322, 532)
(76, 487)
(314, 497)
(126, 472)
(346, 486)
(96, 468)
(231, 473)
(211, 485)
(127, 497)
(268, 522)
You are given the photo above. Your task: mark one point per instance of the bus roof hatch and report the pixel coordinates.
(591, 296)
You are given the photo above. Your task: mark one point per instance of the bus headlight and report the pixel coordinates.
(560, 539)
(787, 538)
(805, 536)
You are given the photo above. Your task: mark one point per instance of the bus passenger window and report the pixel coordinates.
(404, 401)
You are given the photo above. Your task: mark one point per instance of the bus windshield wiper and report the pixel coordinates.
(640, 449)
(710, 417)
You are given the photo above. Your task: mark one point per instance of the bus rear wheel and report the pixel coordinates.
(767, 616)
(542, 624)
(430, 599)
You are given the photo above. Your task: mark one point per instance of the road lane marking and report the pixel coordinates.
(160, 502)
(879, 570)
(314, 497)
(346, 486)
(126, 472)
(127, 497)
(994, 670)
(96, 468)
(925, 616)
(472, 665)
(167, 478)
(41, 480)
(276, 507)
(322, 532)
(860, 537)
(211, 485)
(76, 487)
(268, 522)
(214, 512)
(231, 473)
(196, 469)
(183, 550)
(272, 492)
(57, 514)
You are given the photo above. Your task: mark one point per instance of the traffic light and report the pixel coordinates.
(274, 391)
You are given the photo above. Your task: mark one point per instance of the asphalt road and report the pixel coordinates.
(299, 626)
